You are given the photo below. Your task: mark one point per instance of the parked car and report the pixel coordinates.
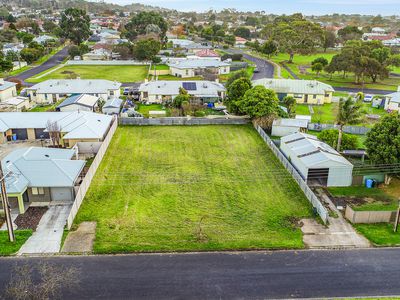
(368, 98)
(126, 91)
(256, 70)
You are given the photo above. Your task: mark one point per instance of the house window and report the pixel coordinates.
(111, 93)
(298, 95)
(315, 96)
(327, 95)
(187, 72)
(37, 191)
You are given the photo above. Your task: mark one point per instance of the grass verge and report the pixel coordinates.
(8, 248)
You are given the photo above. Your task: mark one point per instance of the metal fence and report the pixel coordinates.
(183, 121)
(83, 188)
(361, 130)
(314, 200)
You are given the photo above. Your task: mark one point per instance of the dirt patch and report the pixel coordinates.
(31, 218)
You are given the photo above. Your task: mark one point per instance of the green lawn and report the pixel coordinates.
(301, 67)
(162, 67)
(144, 109)
(8, 248)
(374, 199)
(380, 234)
(50, 107)
(118, 73)
(192, 188)
(172, 77)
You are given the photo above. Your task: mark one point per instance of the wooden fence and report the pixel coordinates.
(183, 121)
(83, 188)
(355, 216)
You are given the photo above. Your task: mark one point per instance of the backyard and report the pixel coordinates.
(118, 73)
(192, 188)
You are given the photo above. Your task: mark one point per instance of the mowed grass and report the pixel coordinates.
(189, 188)
(8, 248)
(380, 234)
(118, 73)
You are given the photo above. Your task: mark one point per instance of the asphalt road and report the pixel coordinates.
(243, 275)
(265, 68)
(56, 59)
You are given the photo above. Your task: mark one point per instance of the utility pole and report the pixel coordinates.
(6, 206)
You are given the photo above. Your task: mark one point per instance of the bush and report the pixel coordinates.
(199, 113)
(330, 136)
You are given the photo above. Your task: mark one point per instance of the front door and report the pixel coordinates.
(305, 98)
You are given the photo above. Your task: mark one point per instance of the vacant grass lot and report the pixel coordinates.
(118, 73)
(178, 188)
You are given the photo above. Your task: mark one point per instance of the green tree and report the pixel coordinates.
(236, 92)
(349, 33)
(349, 112)
(269, 48)
(181, 98)
(317, 68)
(322, 60)
(331, 136)
(294, 34)
(49, 26)
(242, 32)
(30, 54)
(236, 75)
(290, 104)
(139, 25)
(6, 65)
(329, 39)
(75, 25)
(146, 49)
(259, 102)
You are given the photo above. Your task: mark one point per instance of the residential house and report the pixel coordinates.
(317, 162)
(17, 103)
(51, 91)
(392, 101)
(8, 90)
(97, 54)
(112, 106)
(196, 67)
(74, 126)
(14, 47)
(303, 91)
(81, 102)
(42, 39)
(38, 176)
(208, 54)
(200, 91)
(240, 42)
(283, 127)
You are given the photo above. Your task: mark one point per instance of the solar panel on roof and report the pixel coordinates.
(189, 86)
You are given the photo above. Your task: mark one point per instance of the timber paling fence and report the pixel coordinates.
(183, 121)
(83, 188)
(314, 200)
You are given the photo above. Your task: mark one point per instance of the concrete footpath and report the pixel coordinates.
(48, 234)
(81, 240)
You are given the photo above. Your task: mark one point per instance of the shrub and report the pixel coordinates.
(330, 136)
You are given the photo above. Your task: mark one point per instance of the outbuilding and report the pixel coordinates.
(283, 127)
(112, 106)
(82, 102)
(317, 162)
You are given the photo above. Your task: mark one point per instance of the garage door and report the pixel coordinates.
(318, 175)
(39, 134)
(22, 134)
(61, 194)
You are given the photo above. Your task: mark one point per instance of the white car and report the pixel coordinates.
(368, 98)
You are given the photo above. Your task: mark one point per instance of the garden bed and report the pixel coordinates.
(31, 218)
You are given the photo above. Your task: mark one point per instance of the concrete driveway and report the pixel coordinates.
(48, 234)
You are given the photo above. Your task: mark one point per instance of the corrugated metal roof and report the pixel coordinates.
(76, 124)
(6, 85)
(114, 102)
(295, 86)
(75, 86)
(40, 167)
(312, 151)
(203, 88)
(291, 123)
(394, 97)
(80, 99)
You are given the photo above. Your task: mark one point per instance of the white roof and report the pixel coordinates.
(291, 123)
(75, 86)
(76, 124)
(311, 151)
(295, 86)
(170, 88)
(15, 100)
(197, 63)
(394, 97)
(40, 167)
(80, 99)
(114, 102)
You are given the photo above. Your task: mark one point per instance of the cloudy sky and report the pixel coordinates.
(384, 7)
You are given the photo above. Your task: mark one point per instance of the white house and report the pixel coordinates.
(194, 67)
(303, 91)
(112, 106)
(392, 101)
(50, 91)
(240, 42)
(200, 91)
(316, 161)
(17, 103)
(82, 102)
(7, 90)
(283, 127)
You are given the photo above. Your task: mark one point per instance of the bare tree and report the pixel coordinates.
(54, 131)
(48, 284)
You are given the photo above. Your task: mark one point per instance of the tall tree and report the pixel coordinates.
(349, 112)
(75, 25)
(242, 32)
(141, 23)
(259, 102)
(349, 33)
(146, 49)
(236, 92)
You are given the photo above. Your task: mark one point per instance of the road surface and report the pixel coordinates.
(265, 68)
(243, 275)
(56, 59)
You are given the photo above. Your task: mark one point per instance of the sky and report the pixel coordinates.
(308, 7)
